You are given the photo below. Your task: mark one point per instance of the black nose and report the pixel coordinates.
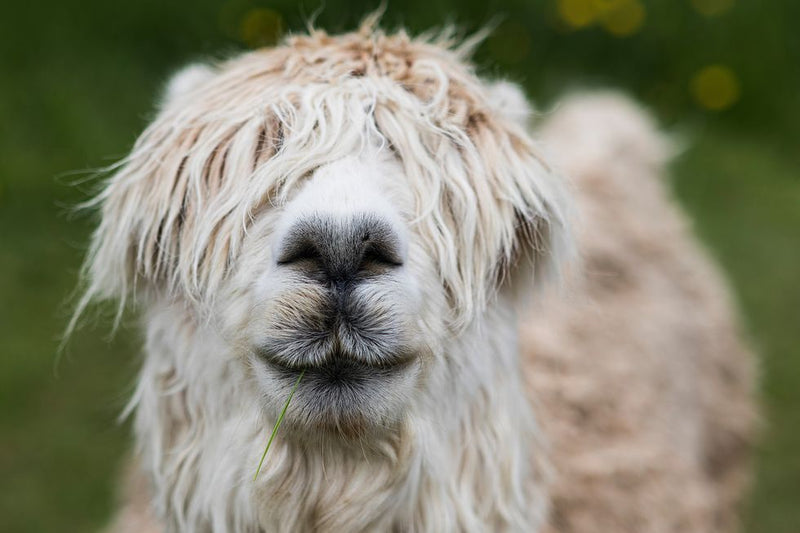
(341, 251)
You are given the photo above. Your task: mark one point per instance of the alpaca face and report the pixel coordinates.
(344, 208)
(337, 296)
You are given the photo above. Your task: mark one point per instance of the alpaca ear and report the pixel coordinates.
(542, 241)
(541, 234)
(185, 81)
(508, 99)
(542, 248)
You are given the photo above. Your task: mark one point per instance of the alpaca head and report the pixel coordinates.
(339, 206)
(334, 289)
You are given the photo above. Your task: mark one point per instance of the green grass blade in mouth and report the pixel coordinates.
(278, 422)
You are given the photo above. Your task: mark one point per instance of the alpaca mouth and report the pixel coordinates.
(345, 396)
(341, 369)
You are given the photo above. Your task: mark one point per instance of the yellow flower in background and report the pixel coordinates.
(620, 18)
(577, 13)
(712, 8)
(261, 27)
(623, 19)
(715, 87)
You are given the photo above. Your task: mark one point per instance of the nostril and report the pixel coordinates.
(298, 251)
(380, 253)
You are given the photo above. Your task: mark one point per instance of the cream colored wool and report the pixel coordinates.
(645, 389)
(625, 403)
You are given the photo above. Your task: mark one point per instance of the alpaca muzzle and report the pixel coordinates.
(335, 313)
(339, 301)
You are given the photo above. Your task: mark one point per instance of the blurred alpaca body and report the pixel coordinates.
(640, 390)
(645, 389)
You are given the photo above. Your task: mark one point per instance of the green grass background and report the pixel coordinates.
(77, 83)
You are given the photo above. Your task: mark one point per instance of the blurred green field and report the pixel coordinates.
(77, 85)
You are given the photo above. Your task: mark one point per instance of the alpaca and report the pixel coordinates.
(365, 212)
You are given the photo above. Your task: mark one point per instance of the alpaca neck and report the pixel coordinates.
(461, 461)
